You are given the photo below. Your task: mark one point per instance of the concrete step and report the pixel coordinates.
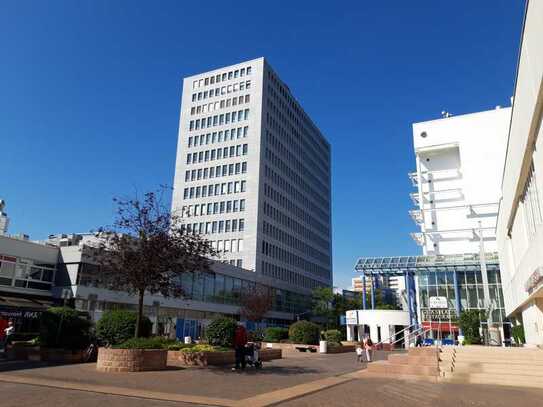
(413, 360)
(496, 368)
(497, 379)
(424, 351)
(397, 369)
(489, 360)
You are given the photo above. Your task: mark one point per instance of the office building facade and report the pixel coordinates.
(253, 175)
(520, 219)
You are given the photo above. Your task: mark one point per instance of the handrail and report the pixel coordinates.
(392, 336)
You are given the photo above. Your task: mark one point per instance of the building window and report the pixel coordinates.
(531, 203)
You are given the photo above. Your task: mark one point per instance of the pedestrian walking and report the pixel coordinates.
(8, 333)
(418, 342)
(359, 353)
(240, 340)
(368, 347)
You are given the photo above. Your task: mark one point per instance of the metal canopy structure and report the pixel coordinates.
(419, 264)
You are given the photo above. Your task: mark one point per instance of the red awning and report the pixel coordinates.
(443, 326)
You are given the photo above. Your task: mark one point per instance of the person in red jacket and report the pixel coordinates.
(240, 340)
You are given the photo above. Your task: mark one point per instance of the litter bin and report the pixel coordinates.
(323, 346)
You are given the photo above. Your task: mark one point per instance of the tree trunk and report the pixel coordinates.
(140, 314)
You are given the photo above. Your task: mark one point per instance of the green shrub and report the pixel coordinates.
(517, 332)
(333, 336)
(304, 332)
(63, 327)
(470, 321)
(220, 332)
(116, 327)
(275, 334)
(155, 342)
(256, 336)
(179, 346)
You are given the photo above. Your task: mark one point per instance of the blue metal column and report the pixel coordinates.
(409, 302)
(363, 291)
(458, 304)
(372, 292)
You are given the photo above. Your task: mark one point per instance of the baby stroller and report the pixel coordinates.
(252, 355)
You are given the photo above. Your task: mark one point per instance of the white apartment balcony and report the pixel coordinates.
(453, 194)
(415, 198)
(417, 216)
(469, 234)
(435, 176)
(418, 237)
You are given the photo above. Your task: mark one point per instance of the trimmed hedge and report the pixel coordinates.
(275, 334)
(220, 332)
(63, 327)
(115, 327)
(333, 336)
(155, 342)
(305, 332)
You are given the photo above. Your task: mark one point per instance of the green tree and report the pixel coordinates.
(470, 322)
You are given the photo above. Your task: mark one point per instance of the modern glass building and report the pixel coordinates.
(457, 278)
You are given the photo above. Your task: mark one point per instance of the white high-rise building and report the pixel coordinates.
(459, 160)
(253, 174)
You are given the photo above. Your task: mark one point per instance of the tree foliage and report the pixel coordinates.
(220, 332)
(305, 332)
(470, 322)
(63, 327)
(147, 250)
(115, 327)
(255, 303)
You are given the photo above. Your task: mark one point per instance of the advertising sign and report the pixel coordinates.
(351, 317)
(438, 302)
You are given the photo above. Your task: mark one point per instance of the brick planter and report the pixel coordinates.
(36, 353)
(131, 360)
(340, 349)
(215, 358)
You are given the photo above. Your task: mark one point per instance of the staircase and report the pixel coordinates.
(417, 364)
(492, 365)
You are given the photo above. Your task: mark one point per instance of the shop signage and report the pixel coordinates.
(535, 278)
(351, 317)
(18, 314)
(436, 314)
(438, 302)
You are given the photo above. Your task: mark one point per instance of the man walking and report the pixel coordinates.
(240, 340)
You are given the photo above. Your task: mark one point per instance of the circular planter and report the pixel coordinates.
(131, 360)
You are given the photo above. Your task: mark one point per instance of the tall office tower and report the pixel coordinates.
(459, 163)
(253, 175)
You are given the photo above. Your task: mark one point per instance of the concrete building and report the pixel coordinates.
(253, 175)
(458, 162)
(520, 219)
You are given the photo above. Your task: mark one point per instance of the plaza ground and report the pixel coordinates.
(297, 380)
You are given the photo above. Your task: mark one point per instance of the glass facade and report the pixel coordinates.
(26, 273)
(221, 289)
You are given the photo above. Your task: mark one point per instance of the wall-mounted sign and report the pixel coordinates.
(535, 278)
(351, 317)
(438, 302)
(436, 314)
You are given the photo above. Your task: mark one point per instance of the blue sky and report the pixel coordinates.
(90, 94)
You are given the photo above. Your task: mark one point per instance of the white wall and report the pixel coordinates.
(521, 249)
(459, 162)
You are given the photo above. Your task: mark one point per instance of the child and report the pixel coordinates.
(359, 352)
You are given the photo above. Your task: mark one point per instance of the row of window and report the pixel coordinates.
(213, 208)
(217, 154)
(298, 116)
(276, 252)
(218, 137)
(308, 202)
(288, 240)
(285, 220)
(531, 204)
(227, 246)
(318, 191)
(291, 207)
(216, 172)
(223, 90)
(300, 162)
(298, 145)
(281, 273)
(221, 77)
(217, 226)
(225, 103)
(219, 119)
(224, 188)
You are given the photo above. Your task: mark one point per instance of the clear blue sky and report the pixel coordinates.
(90, 94)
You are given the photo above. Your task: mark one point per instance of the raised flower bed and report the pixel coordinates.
(131, 360)
(214, 358)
